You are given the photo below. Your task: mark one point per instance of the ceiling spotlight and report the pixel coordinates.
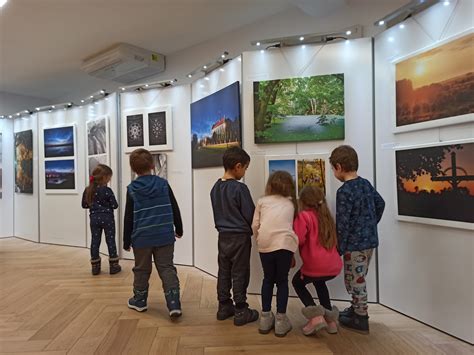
(301, 38)
(221, 69)
(10, 116)
(381, 22)
(348, 33)
(123, 89)
(2, 116)
(190, 75)
(146, 85)
(53, 106)
(92, 96)
(18, 114)
(223, 56)
(401, 26)
(446, 3)
(102, 92)
(26, 111)
(3, 2)
(258, 44)
(37, 109)
(204, 67)
(206, 78)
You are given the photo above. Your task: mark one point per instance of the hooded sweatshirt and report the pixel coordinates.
(151, 211)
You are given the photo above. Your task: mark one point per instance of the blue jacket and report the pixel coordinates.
(359, 208)
(150, 213)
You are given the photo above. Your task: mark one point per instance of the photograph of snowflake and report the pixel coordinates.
(135, 131)
(157, 128)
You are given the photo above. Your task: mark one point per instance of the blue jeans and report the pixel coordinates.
(276, 266)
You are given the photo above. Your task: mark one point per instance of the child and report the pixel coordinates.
(101, 202)
(359, 208)
(233, 210)
(316, 232)
(150, 212)
(273, 228)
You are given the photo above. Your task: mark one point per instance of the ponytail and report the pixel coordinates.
(99, 177)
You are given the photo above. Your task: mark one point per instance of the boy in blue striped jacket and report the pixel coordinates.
(151, 225)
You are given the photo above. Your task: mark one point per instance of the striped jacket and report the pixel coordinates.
(151, 213)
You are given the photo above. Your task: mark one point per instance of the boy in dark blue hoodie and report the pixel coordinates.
(151, 225)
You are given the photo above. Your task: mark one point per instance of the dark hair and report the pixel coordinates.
(233, 156)
(312, 197)
(141, 161)
(99, 177)
(282, 183)
(346, 156)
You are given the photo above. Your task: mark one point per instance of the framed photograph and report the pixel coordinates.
(435, 86)
(1, 166)
(24, 162)
(435, 183)
(59, 141)
(97, 136)
(306, 169)
(161, 166)
(159, 129)
(150, 128)
(95, 160)
(60, 176)
(304, 109)
(215, 126)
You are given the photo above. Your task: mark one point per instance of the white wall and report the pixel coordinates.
(205, 234)
(26, 209)
(179, 159)
(426, 271)
(354, 59)
(62, 219)
(8, 179)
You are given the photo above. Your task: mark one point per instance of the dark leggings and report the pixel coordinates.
(299, 283)
(102, 222)
(276, 266)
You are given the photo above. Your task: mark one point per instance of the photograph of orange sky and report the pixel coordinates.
(438, 83)
(464, 160)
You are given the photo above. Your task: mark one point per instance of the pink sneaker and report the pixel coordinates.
(315, 324)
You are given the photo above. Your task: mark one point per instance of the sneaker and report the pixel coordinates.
(138, 301)
(282, 325)
(173, 303)
(244, 316)
(347, 312)
(114, 267)
(225, 311)
(267, 322)
(356, 322)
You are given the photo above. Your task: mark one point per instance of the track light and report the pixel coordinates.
(381, 22)
(190, 75)
(301, 38)
(348, 33)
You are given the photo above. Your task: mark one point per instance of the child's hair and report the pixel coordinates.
(346, 156)
(141, 161)
(282, 183)
(100, 176)
(312, 197)
(233, 156)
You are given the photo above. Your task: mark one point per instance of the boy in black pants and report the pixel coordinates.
(151, 224)
(233, 210)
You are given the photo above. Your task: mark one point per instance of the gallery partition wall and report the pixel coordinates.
(424, 77)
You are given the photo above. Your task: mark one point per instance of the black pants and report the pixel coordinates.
(234, 268)
(102, 222)
(163, 258)
(276, 266)
(299, 283)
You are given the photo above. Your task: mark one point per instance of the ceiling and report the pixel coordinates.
(43, 42)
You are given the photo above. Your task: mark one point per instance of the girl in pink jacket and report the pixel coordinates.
(316, 231)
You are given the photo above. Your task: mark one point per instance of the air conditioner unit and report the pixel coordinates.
(124, 63)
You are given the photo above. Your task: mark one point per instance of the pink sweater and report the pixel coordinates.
(317, 261)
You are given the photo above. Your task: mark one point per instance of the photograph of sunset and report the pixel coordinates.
(436, 84)
(436, 182)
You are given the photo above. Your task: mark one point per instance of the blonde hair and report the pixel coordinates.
(312, 198)
(282, 183)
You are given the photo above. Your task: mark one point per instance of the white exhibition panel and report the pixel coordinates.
(8, 179)
(62, 218)
(205, 233)
(352, 58)
(178, 159)
(426, 271)
(105, 108)
(25, 212)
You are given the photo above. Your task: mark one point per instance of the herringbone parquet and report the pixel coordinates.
(50, 304)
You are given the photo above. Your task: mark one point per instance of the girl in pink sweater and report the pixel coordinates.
(316, 232)
(273, 229)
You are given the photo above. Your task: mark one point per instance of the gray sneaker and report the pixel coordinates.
(267, 322)
(282, 325)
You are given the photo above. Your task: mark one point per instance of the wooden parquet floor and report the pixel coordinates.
(50, 304)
